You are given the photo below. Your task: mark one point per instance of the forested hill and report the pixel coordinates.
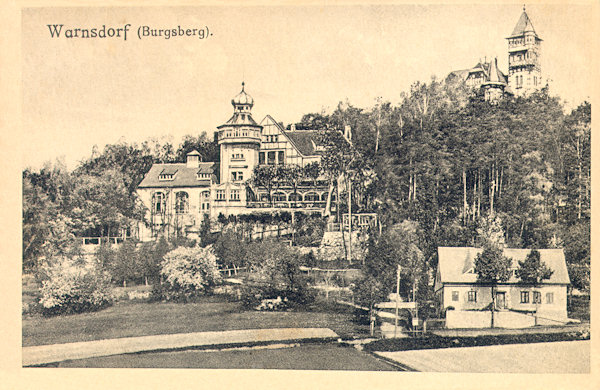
(448, 160)
(441, 157)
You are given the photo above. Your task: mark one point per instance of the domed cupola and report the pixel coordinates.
(242, 101)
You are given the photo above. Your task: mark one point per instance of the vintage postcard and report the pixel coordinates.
(369, 195)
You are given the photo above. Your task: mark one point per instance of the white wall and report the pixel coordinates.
(556, 309)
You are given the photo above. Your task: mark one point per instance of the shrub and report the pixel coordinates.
(188, 273)
(74, 287)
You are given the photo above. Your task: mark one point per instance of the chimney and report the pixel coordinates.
(193, 159)
(293, 127)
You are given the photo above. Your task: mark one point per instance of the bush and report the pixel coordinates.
(434, 342)
(74, 287)
(253, 297)
(187, 274)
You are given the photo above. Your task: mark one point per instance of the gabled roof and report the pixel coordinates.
(455, 264)
(184, 177)
(303, 140)
(494, 75)
(523, 25)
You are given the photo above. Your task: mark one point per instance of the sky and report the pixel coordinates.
(78, 93)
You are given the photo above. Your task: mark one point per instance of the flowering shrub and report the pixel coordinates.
(74, 287)
(188, 273)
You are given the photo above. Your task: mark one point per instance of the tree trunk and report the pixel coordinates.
(465, 205)
(493, 305)
(474, 198)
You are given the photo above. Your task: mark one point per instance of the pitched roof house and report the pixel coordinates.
(456, 285)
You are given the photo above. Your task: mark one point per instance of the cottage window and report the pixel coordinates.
(261, 158)
(472, 296)
(234, 195)
(271, 158)
(524, 296)
(220, 194)
(537, 297)
(549, 298)
(455, 296)
(281, 157)
(181, 202)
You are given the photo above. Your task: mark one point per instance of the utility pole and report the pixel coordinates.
(397, 296)
(349, 219)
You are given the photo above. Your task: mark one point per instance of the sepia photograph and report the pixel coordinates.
(365, 188)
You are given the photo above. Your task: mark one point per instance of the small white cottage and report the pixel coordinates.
(457, 290)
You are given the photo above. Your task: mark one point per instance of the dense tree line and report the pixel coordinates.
(448, 160)
(442, 157)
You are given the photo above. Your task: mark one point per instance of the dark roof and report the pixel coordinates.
(240, 119)
(304, 140)
(523, 25)
(494, 75)
(184, 176)
(455, 264)
(490, 71)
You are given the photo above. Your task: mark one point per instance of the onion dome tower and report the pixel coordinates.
(239, 141)
(524, 46)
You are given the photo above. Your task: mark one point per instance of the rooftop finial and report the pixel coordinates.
(243, 86)
(523, 7)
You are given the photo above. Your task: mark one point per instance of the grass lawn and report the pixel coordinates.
(303, 357)
(129, 319)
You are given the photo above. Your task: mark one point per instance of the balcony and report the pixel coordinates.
(238, 135)
(305, 205)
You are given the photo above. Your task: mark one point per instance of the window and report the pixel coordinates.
(549, 298)
(472, 297)
(261, 158)
(455, 296)
(220, 194)
(279, 197)
(537, 297)
(281, 157)
(234, 195)
(311, 197)
(181, 202)
(158, 202)
(237, 176)
(271, 158)
(205, 200)
(166, 176)
(524, 296)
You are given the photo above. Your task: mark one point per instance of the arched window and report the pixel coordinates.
(182, 201)
(311, 197)
(279, 197)
(158, 202)
(324, 197)
(295, 198)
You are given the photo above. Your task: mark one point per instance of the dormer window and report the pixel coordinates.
(203, 176)
(167, 174)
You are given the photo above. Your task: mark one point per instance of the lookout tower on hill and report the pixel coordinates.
(524, 45)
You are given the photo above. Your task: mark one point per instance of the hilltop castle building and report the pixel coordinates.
(524, 70)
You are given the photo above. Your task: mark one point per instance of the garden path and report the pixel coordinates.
(44, 354)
